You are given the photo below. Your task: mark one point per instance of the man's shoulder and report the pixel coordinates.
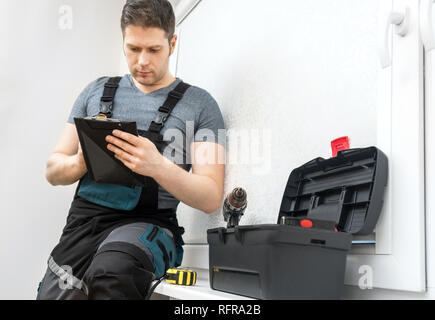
(94, 85)
(99, 83)
(200, 95)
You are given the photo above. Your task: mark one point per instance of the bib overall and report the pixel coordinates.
(116, 240)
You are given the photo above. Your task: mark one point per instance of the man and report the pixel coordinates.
(118, 239)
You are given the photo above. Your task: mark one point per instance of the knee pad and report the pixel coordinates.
(162, 247)
(119, 270)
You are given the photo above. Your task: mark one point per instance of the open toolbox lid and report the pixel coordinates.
(345, 192)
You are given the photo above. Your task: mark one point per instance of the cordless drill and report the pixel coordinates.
(234, 207)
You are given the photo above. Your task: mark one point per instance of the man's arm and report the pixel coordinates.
(66, 164)
(203, 188)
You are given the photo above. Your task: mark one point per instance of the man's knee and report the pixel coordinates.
(119, 270)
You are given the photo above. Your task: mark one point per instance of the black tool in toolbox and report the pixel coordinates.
(303, 256)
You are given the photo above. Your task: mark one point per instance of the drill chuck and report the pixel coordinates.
(234, 207)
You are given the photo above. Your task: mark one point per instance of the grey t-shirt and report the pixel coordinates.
(196, 117)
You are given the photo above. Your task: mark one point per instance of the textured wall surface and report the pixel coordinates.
(290, 75)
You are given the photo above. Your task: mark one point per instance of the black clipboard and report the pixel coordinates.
(101, 163)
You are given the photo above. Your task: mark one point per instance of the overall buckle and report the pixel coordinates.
(106, 107)
(161, 118)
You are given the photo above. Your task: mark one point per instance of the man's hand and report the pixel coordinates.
(137, 153)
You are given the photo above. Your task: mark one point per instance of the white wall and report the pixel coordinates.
(43, 69)
(304, 71)
(291, 74)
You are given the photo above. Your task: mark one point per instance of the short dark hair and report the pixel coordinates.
(148, 14)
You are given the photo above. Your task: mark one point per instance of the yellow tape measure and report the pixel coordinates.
(181, 277)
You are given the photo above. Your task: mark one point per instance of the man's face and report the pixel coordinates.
(147, 51)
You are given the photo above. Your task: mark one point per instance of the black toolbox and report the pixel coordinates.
(303, 256)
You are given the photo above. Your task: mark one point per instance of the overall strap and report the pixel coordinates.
(171, 102)
(106, 102)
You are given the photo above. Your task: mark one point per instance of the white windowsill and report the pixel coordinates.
(200, 291)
